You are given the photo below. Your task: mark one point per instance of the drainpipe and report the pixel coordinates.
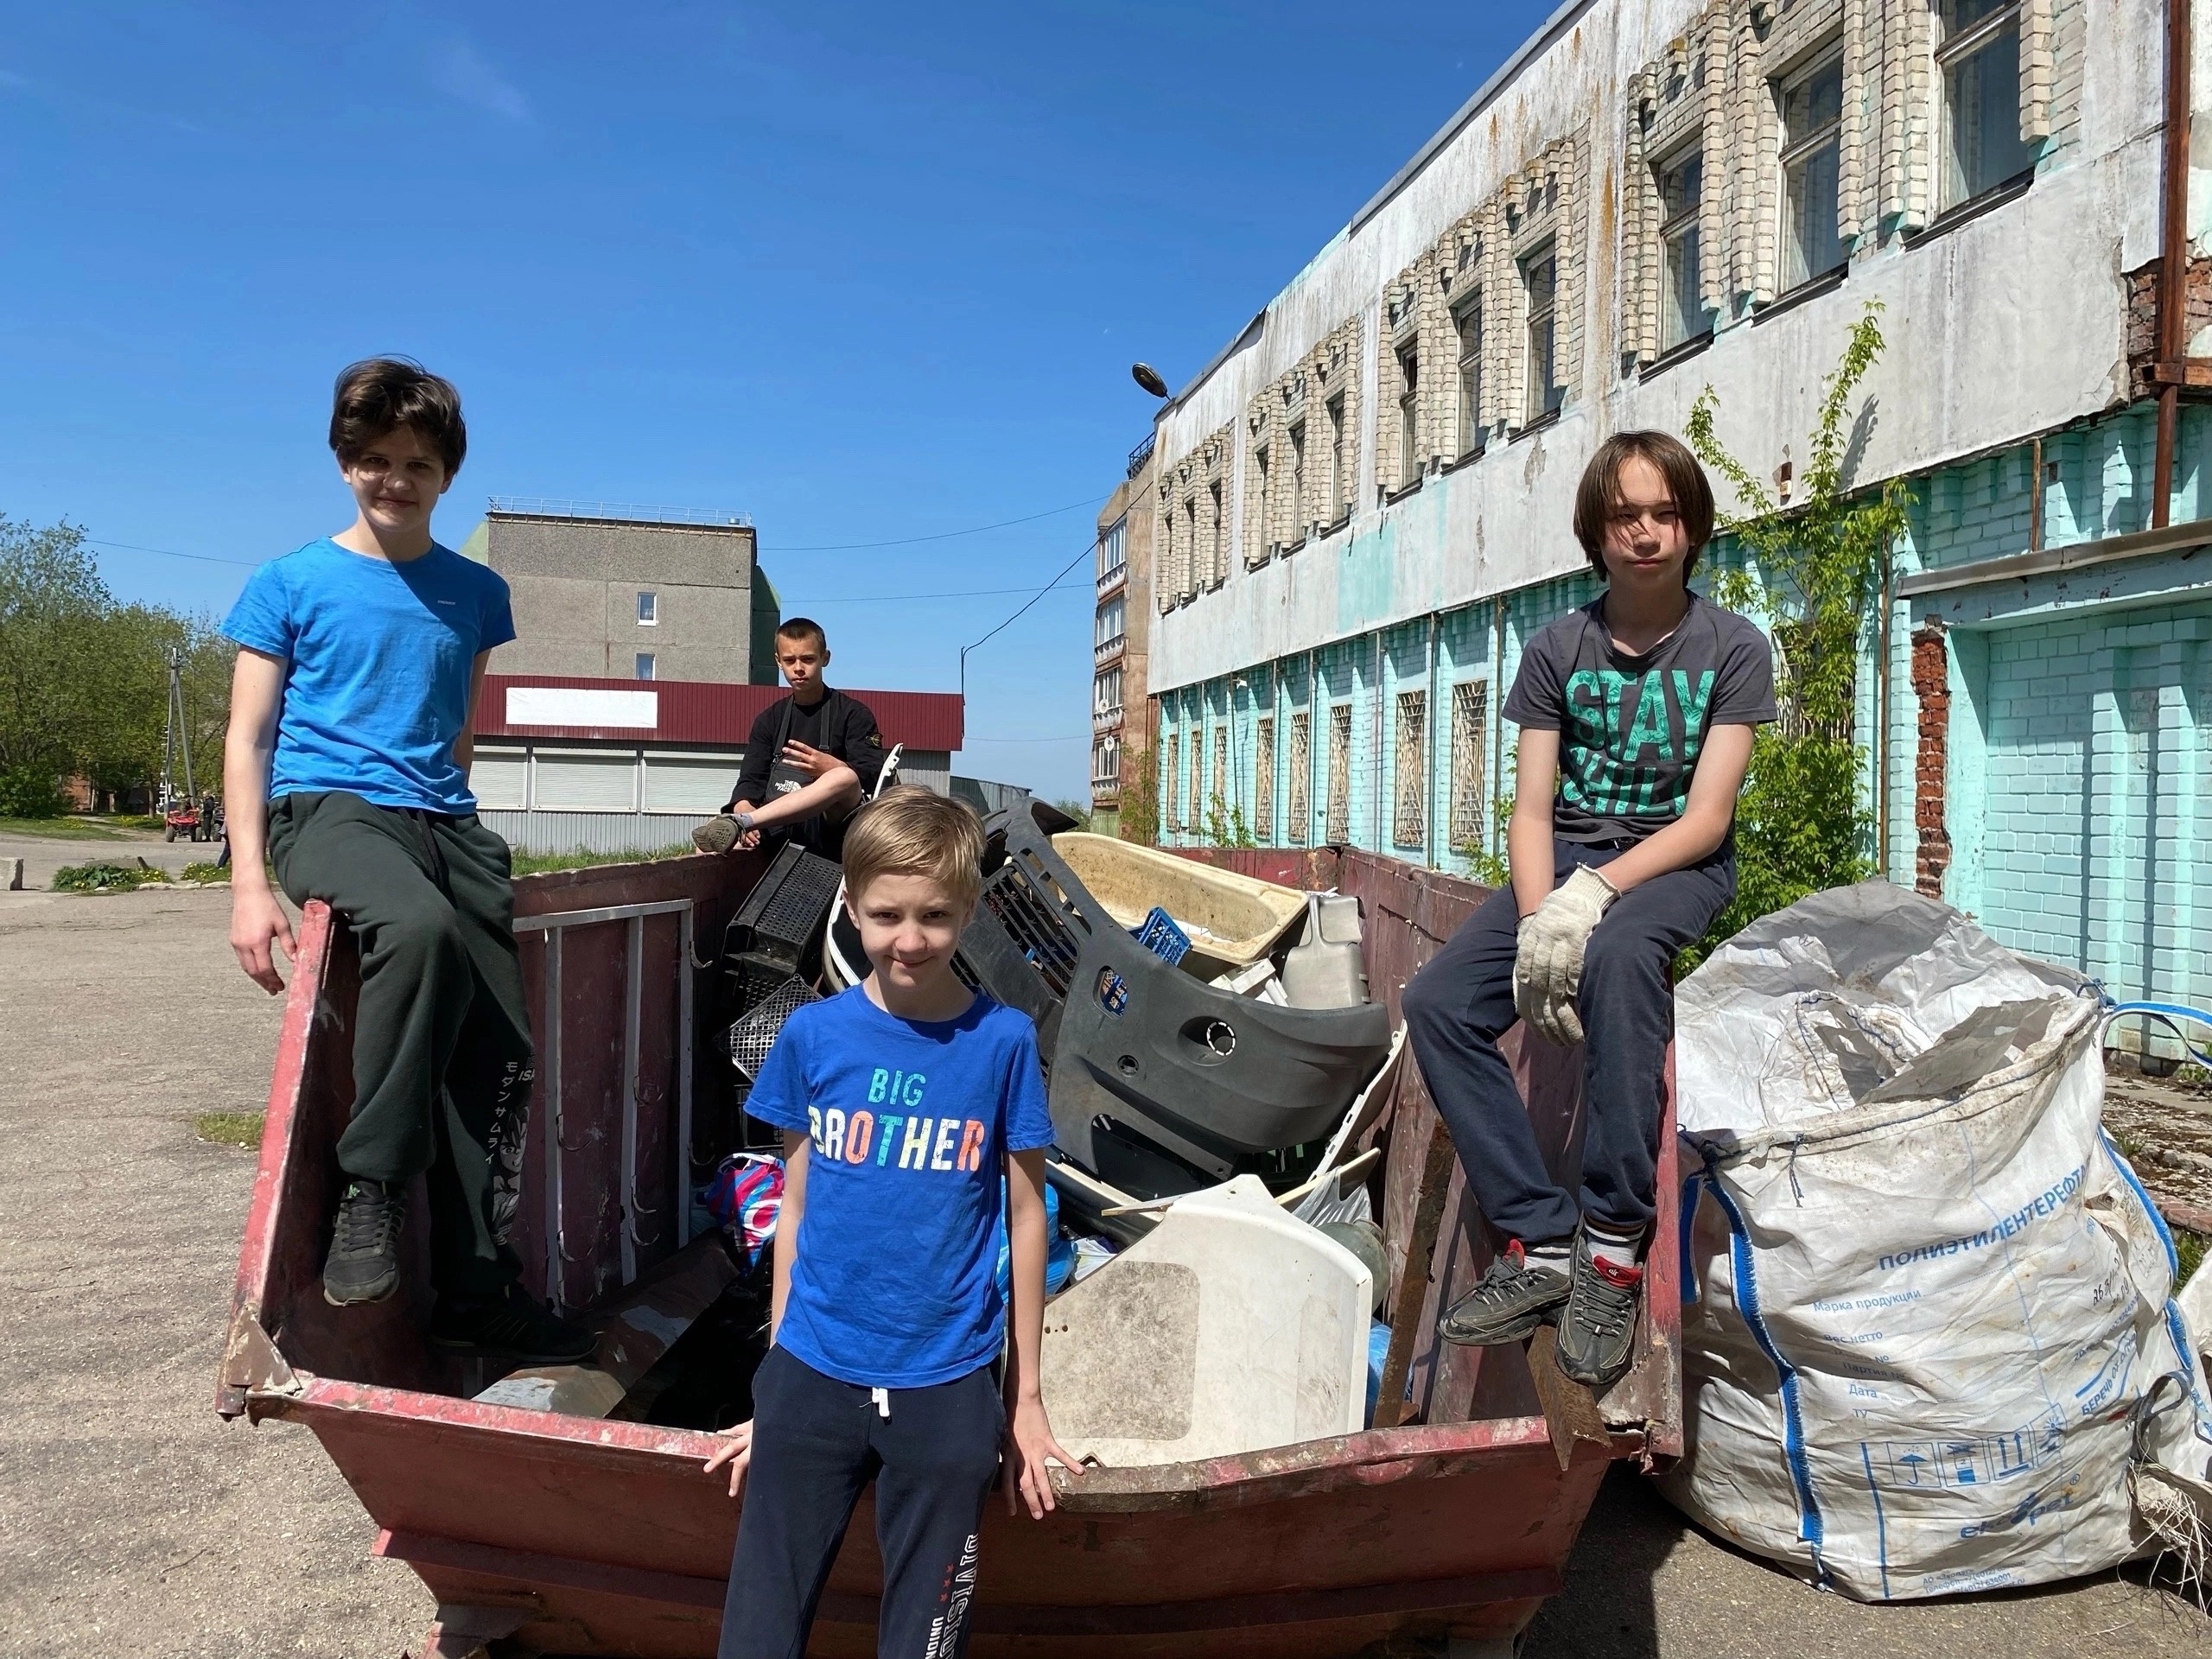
(1496, 713)
(1882, 701)
(1428, 757)
(1374, 744)
(2173, 261)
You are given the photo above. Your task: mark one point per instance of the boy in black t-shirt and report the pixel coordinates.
(1636, 713)
(809, 762)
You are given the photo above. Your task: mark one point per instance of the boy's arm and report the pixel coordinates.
(258, 921)
(1528, 832)
(1715, 782)
(1028, 1480)
(464, 747)
(788, 1212)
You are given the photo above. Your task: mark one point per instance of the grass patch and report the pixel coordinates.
(2191, 1247)
(70, 829)
(544, 863)
(105, 878)
(228, 1128)
(206, 873)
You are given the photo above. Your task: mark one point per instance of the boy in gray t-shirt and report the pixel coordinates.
(1636, 712)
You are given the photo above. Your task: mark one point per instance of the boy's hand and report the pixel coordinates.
(736, 1451)
(1548, 963)
(1029, 1442)
(810, 759)
(257, 922)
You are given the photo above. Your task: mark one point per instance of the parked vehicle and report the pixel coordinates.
(540, 1532)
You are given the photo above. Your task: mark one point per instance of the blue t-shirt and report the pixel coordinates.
(377, 663)
(894, 1284)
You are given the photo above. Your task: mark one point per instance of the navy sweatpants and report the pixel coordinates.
(816, 1442)
(1461, 1002)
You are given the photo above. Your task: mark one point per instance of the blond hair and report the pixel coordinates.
(910, 831)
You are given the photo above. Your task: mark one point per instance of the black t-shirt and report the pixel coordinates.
(837, 724)
(1630, 727)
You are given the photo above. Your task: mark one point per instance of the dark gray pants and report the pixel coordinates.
(441, 1051)
(1461, 1002)
(816, 1442)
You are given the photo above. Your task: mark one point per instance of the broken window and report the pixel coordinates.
(1979, 57)
(1540, 276)
(1409, 808)
(1812, 131)
(1470, 714)
(1263, 780)
(1301, 775)
(1338, 828)
(1682, 315)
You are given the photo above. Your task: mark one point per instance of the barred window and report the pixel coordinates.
(1338, 828)
(1263, 780)
(1198, 815)
(1220, 783)
(1301, 775)
(1409, 813)
(1174, 780)
(1470, 716)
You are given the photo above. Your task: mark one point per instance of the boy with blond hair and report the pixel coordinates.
(1636, 712)
(912, 1110)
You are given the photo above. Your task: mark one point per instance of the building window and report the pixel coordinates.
(1980, 60)
(1470, 717)
(1409, 808)
(1259, 530)
(1682, 315)
(1106, 692)
(1172, 779)
(1222, 785)
(1339, 504)
(1263, 780)
(1338, 827)
(1106, 765)
(1540, 275)
(645, 665)
(648, 610)
(1201, 567)
(1812, 131)
(1408, 415)
(1217, 533)
(1467, 323)
(1198, 779)
(1112, 623)
(1298, 480)
(1114, 547)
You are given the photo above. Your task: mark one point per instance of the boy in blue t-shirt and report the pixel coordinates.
(360, 658)
(904, 1103)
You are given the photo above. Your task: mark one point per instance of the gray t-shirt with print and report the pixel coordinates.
(1631, 728)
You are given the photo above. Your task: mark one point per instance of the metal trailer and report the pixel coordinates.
(539, 1533)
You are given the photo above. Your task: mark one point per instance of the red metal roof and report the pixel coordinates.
(718, 714)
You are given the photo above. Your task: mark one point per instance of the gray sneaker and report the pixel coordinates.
(364, 1262)
(716, 835)
(1511, 1299)
(1597, 1334)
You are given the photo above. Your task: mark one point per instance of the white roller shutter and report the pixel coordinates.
(688, 784)
(498, 777)
(587, 781)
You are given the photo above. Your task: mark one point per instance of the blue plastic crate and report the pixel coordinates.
(1159, 934)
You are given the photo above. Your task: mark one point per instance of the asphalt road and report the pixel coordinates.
(134, 1521)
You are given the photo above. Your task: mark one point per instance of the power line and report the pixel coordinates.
(171, 553)
(1080, 737)
(942, 536)
(887, 599)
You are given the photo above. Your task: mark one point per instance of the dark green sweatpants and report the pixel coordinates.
(441, 1051)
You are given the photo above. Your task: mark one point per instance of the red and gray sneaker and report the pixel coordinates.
(1597, 1334)
(1511, 1299)
(363, 1265)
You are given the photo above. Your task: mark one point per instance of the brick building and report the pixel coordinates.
(1120, 632)
(1362, 505)
(630, 593)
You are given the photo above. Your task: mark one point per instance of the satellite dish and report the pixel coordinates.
(1148, 377)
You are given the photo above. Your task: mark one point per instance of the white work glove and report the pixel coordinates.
(1547, 956)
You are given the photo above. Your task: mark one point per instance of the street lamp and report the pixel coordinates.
(1148, 377)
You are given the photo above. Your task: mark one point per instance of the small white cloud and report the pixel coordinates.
(460, 71)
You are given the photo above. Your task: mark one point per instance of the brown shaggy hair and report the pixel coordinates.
(1598, 496)
(378, 395)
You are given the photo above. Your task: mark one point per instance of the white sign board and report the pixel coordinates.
(555, 705)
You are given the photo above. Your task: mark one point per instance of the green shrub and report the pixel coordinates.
(104, 878)
(206, 872)
(29, 793)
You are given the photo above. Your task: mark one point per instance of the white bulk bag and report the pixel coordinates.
(1929, 1294)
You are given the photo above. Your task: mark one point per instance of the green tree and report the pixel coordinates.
(1811, 572)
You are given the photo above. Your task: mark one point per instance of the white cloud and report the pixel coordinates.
(460, 71)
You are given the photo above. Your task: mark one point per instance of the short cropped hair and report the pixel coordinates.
(910, 831)
(380, 395)
(1598, 496)
(802, 627)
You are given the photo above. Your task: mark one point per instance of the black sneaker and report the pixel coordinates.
(1596, 1334)
(508, 1326)
(716, 835)
(364, 1262)
(1515, 1296)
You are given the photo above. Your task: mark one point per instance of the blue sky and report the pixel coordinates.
(865, 272)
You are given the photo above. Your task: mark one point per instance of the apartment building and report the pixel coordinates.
(1362, 505)
(1120, 734)
(618, 592)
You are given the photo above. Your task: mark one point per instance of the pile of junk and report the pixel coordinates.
(1212, 1061)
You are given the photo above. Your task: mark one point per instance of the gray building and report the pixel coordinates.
(615, 592)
